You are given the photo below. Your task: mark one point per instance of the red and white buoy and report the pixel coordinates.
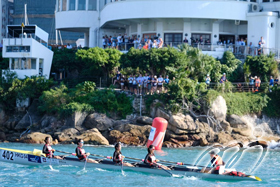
(157, 133)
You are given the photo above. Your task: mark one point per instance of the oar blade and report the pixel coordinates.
(255, 177)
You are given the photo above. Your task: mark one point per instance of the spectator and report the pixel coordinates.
(208, 80)
(160, 84)
(109, 42)
(118, 77)
(208, 42)
(250, 47)
(69, 46)
(185, 40)
(262, 42)
(125, 39)
(160, 43)
(146, 47)
(257, 84)
(259, 49)
(145, 83)
(149, 83)
(154, 82)
(119, 39)
(251, 83)
(134, 84)
(276, 82)
(166, 82)
(140, 81)
(130, 85)
(149, 43)
(271, 83)
(220, 42)
(154, 44)
(200, 40)
(104, 42)
(223, 78)
(122, 80)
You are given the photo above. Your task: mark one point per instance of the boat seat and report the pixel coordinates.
(71, 159)
(107, 162)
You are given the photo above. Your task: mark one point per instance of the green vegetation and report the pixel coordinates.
(263, 66)
(84, 97)
(13, 88)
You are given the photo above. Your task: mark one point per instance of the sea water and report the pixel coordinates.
(23, 175)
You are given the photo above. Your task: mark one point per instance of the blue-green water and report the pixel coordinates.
(21, 175)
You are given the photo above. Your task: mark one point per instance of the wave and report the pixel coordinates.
(274, 145)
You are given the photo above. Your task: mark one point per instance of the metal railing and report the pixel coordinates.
(240, 51)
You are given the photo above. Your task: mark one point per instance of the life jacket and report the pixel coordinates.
(258, 83)
(83, 153)
(218, 162)
(236, 173)
(118, 157)
(153, 158)
(50, 150)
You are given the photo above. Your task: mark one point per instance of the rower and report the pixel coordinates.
(48, 150)
(81, 154)
(118, 157)
(217, 162)
(151, 159)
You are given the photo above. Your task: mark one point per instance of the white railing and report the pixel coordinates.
(239, 50)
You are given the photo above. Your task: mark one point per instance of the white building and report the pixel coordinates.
(27, 51)
(173, 20)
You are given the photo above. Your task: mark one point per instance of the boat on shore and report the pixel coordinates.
(36, 158)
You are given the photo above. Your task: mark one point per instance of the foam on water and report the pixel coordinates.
(274, 145)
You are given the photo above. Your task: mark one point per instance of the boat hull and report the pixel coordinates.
(26, 158)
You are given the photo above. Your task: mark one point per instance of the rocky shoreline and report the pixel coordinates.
(183, 130)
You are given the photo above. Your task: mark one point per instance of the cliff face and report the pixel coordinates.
(183, 130)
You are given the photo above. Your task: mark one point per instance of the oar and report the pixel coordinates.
(85, 163)
(171, 174)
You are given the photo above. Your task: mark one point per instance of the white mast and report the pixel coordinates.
(25, 15)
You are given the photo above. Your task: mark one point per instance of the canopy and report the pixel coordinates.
(16, 30)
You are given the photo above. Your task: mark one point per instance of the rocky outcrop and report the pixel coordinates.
(218, 108)
(99, 121)
(93, 136)
(3, 116)
(33, 117)
(236, 121)
(2, 136)
(226, 126)
(130, 134)
(183, 122)
(144, 120)
(160, 112)
(67, 135)
(76, 119)
(34, 137)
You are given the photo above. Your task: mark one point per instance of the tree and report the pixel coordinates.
(99, 61)
(263, 66)
(231, 66)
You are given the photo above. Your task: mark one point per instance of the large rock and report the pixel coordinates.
(134, 129)
(160, 112)
(184, 122)
(12, 122)
(34, 137)
(93, 136)
(223, 138)
(144, 120)
(3, 116)
(246, 131)
(2, 136)
(218, 108)
(236, 121)
(76, 119)
(33, 117)
(67, 135)
(202, 126)
(99, 121)
(127, 138)
(226, 126)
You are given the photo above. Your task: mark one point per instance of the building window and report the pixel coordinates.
(266, 1)
(253, 1)
(18, 49)
(276, 0)
(72, 4)
(23, 63)
(205, 37)
(64, 5)
(81, 4)
(58, 5)
(173, 39)
(91, 4)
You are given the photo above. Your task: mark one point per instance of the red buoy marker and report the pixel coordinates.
(157, 133)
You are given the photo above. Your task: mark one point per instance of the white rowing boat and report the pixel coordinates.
(36, 158)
